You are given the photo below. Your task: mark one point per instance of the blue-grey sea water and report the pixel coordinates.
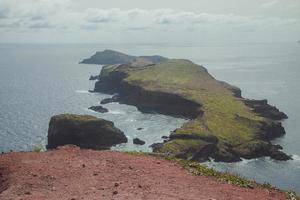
(38, 81)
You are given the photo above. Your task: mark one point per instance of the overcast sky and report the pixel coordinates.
(136, 21)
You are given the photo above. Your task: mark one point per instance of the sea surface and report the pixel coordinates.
(38, 81)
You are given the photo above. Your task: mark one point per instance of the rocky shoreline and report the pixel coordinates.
(264, 121)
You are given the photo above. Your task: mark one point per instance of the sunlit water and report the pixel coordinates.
(39, 81)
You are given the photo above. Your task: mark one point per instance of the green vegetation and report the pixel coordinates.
(225, 116)
(37, 148)
(290, 195)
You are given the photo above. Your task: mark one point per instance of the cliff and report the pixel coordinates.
(223, 125)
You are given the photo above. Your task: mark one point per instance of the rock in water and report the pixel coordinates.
(99, 109)
(138, 141)
(92, 78)
(114, 98)
(84, 131)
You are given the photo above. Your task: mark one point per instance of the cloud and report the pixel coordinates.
(59, 14)
(269, 4)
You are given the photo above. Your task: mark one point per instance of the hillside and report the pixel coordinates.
(71, 173)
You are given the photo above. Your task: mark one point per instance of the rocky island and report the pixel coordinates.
(223, 125)
(84, 131)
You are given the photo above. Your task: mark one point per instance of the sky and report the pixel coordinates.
(155, 21)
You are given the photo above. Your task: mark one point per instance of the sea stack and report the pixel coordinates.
(84, 131)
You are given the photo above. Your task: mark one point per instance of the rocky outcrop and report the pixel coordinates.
(84, 131)
(92, 78)
(258, 148)
(114, 98)
(99, 109)
(138, 141)
(108, 57)
(265, 110)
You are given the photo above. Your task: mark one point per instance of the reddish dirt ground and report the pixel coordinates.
(72, 174)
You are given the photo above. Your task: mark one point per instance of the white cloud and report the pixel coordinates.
(269, 4)
(60, 16)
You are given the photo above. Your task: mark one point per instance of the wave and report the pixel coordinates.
(116, 112)
(82, 91)
(296, 158)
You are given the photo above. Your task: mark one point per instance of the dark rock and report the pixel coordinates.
(164, 137)
(265, 110)
(156, 147)
(138, 141)
(254, 149)
(92, 78)
(84, 131)
(203, 153)
(114, 98)
(99, 109)
(276, 154)
(225, 155)
(279, 155)
(270, 130)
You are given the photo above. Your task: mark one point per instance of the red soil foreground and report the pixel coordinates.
(72, 174)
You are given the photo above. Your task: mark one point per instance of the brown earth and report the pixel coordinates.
(72, 174)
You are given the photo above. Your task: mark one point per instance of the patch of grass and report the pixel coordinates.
(37, 148)
(290, 195)
(230, 178)
(182, 145)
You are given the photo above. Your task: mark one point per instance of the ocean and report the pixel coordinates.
(41, 80)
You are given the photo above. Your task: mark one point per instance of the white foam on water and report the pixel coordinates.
(82, 91)
(117, 112)
(296, 158)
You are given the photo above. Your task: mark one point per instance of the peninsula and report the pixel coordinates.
(223, 125)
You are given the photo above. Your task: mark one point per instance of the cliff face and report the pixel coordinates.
(223, 125)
